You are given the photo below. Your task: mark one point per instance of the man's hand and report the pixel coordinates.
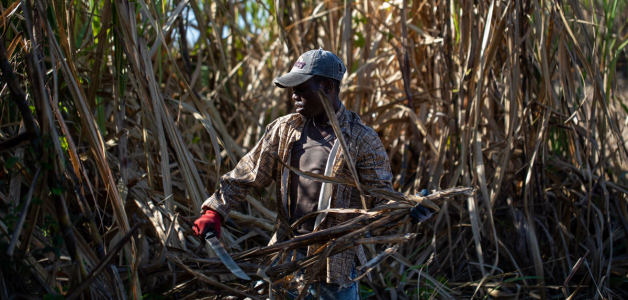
(420, 213)
(209, 220)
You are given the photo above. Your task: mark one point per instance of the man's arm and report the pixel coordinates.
(255, 169)
(374, 170)
(373, 166)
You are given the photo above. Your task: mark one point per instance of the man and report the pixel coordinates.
(307, 141)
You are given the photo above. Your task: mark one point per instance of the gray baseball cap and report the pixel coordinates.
(313, 62)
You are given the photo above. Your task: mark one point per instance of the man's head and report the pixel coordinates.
(312, 63)
(315, 70)
(306, 98)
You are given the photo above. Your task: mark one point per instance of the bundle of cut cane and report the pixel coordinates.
(371, 226)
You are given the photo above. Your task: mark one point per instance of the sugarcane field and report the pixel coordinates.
(314, 149)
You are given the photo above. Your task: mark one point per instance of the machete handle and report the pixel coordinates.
(210, 234)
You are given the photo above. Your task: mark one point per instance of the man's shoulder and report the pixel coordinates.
(359, 129)
(283, 121)
(288, 118)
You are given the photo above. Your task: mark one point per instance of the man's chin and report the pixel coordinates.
(304, 115)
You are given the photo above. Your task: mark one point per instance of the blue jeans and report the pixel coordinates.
(329, 291)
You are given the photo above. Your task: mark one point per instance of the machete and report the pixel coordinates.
(226, 259)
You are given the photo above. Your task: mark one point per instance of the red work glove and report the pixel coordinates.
(209, 220)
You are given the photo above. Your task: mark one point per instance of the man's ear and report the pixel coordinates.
(328, 86)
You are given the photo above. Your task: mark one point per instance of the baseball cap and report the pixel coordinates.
(313, 62)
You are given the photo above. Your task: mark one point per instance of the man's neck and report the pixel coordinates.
(322, 119)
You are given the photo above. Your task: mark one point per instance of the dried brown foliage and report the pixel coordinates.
(122, 115)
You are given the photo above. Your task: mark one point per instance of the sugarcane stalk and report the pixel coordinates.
(205, 278)
(67, 232)
(19, 97)
(70, 173)
(20, 222)
(34, 215)
(300, 241)
(86, 210)
(3, 287)
(371, 264)
(387, 239)
(37, 78)
(344, 239)
(340, 238)
(102, 265)
(315, 270)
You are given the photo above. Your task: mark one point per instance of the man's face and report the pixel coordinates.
(306, 99)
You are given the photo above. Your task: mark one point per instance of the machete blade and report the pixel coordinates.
(226, 259)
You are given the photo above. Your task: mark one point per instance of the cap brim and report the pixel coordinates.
(291, 79)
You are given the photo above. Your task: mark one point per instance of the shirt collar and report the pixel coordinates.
(340, 115)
